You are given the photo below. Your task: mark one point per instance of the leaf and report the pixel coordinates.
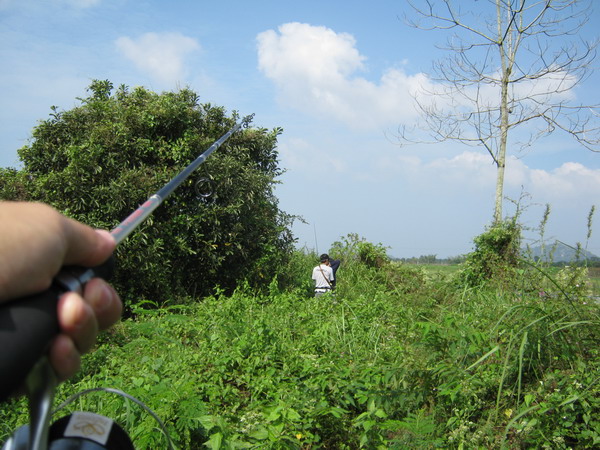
(274, 415)
(261, 434)
(368, 424)
(484, 357)
(380, 413)
(363, 440)
(292, 415)
(528, 399)
(215, 441)
(371, 406)
(571, 399)
(208, 422)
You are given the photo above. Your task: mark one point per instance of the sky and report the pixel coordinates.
(339, 77)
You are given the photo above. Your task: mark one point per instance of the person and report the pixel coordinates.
(323, 276)
(335, 265)
(35, 242)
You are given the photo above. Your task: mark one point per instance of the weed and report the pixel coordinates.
(396, 358)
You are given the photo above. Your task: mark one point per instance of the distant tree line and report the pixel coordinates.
(432, 259)
(593, 261)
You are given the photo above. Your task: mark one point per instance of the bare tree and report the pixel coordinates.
(513, 64)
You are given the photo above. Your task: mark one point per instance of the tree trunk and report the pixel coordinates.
(503, 43)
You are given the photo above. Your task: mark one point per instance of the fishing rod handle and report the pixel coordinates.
(29, 324)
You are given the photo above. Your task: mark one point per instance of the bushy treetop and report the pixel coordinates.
(100, 160)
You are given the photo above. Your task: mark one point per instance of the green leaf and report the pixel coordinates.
(484, 357)
(528, 399)
(215, 441)
(261, 434)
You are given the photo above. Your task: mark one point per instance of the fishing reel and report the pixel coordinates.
(76, 431)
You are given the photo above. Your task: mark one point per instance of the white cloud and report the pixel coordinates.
(472, 169)
(81, 4)
(315, 70)
(570, 180)
(307, 52)
(27, 4)
(569, 184)
(551, 88)
(299, 154)
(466, 171)
(159, 55)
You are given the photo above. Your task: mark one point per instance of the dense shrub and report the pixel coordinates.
(100, 160)
(496, 256)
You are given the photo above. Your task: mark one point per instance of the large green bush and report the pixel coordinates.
(100, 160)
(496, 256)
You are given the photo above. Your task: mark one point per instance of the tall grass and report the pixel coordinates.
(396, 358)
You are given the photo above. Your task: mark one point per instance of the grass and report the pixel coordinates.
(447, 270)
(393, 360)
(439, 269)
(594, 277)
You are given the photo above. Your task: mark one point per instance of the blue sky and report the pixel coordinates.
(336, 75)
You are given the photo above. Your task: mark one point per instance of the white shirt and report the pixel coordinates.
(322, 274)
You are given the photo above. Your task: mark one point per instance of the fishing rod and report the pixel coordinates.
(29, 324)
(124, 229)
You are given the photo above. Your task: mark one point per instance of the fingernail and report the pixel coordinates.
(71, 311)
(107, 237)
(105, 233)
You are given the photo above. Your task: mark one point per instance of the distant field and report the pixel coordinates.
(449, 269)
(438, 269)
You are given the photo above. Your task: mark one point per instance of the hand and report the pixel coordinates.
(35, 242)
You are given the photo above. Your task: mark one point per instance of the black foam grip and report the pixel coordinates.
(107, 269)
(27, 326)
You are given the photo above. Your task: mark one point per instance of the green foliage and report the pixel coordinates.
(496, 256)
(574, 281)
(375, 365)
(13, 184)
(98, 161)
(396, 357)
(561, 413)
(367, 271)
(353, 248)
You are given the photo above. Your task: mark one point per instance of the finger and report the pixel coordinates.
(104, 301)
(64, 357)
(77, 320)
(40, 241)
(86, 246)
